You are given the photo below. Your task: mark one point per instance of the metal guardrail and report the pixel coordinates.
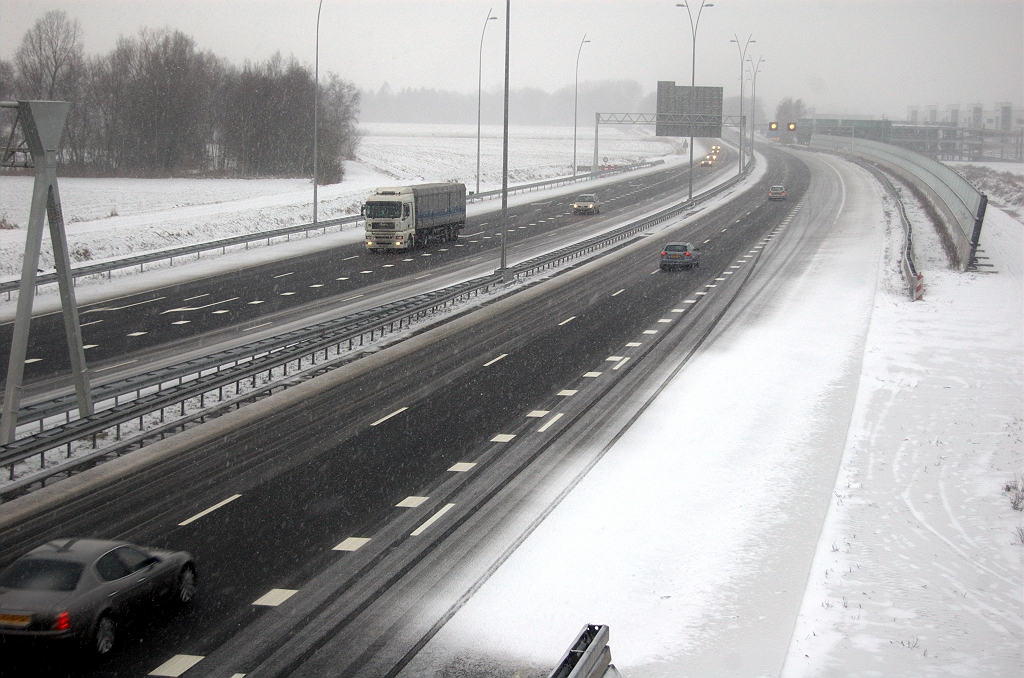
(213, 373)
(961, 199)
(11, 285)
(908, 262)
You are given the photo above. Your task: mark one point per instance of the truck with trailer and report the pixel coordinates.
(404, 217)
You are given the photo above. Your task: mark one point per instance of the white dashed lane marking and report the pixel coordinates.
(591, 375)
(538, 413)
(491, 362)
(284, 275)
(393, 414)
(430, 521)
(567, 320)
(503, 438)
(351, 544)
(621, 363)
(136, 334)
(618, 293)
(549, 422)
(613, 359)
(567, 392)
(634, 344)
(353, 257)
(121, 308)
(411, 502)
(462, 466)
(209, 510)
(93, 322)
(198, 308)
(274, 597)
(176, 665)
(650, 331)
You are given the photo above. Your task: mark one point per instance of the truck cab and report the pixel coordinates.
(390, 215)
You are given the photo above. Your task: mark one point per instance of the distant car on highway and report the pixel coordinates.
(85, 590)
(708, 160)
(586, 204)
(679, 255)
(716, 149)
(777, 193)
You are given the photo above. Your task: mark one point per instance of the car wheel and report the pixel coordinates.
(104, 635)
(186, 588)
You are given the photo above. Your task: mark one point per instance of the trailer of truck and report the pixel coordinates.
(404, 217)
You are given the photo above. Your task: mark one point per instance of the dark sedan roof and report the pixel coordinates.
(74, 549)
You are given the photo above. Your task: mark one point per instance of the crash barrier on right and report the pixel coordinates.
(955, 197)
(908, 262)
(589, 656)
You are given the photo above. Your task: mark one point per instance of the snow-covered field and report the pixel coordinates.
(110, 218)
(1002, 181)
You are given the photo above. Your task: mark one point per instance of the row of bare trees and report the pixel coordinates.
(158, 106)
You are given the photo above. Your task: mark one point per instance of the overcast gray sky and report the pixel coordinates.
(840, 56)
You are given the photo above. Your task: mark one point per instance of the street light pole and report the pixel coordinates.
(755, 69)
(693, 69)
(743, 56)
(479, 96)
(576, 104)
(316, 110)
(504, 153)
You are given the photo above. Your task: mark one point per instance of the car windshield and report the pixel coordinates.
(675, 248)
(778, 188)
(384, 210)
(585, 198)
(33, 574)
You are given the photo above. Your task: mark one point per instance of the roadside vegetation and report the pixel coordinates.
(157, 106)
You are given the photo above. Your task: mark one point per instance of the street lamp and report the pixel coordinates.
(479, 95)
(504, 155)
(316, 107)
(693, 71)
(755, 69)
(576, 104)
(743, 56)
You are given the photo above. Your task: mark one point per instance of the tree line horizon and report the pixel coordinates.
(157, 106)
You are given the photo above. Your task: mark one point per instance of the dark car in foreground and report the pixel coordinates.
(679, 255)
(84, 590)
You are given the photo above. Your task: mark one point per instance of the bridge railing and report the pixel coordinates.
(957, 198)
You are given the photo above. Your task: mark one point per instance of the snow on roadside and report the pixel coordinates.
(919, 566)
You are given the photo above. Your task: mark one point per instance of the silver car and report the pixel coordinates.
(679, 255)
(84, 589)
(586, 204)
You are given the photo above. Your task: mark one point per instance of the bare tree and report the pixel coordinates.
(49, 56)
